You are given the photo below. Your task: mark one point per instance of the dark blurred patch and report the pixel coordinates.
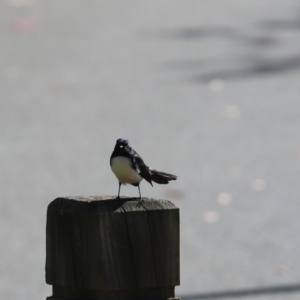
(281, 24)
(253, 64)
(190, 33)
(185, 64)
(262, 69)
(245, 293)
(259, 41)
(196, 33)
(201, 33)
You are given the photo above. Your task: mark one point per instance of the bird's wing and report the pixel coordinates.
(141, 167)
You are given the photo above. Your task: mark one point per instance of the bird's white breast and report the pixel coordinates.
(121, 166)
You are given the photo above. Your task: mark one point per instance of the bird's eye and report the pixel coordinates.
(121, 146)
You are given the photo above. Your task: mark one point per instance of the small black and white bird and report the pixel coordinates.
(130, 168)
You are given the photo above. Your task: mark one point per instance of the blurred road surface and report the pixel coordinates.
(207, 90)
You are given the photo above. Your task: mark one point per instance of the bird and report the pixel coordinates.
(129, 168)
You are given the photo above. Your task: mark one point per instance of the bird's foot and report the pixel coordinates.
(139, 202)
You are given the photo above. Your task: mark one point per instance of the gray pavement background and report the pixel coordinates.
(207, 90)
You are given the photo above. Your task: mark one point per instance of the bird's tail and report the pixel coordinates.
(161, 177)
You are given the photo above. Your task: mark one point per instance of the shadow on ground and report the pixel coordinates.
(254, 59)
(281, 289)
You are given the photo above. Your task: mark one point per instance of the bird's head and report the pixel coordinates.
(122, 143)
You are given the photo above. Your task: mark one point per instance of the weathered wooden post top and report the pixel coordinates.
(109, 249)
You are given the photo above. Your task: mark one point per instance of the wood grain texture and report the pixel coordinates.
(104, 245)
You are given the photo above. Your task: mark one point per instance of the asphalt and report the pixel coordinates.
(207, 90)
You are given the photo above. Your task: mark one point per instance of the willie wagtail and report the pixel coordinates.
(130, 168)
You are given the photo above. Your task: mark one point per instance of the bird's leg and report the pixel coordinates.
(119, 190)
(140, 200)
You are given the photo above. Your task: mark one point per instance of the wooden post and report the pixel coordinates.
(108, 249)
